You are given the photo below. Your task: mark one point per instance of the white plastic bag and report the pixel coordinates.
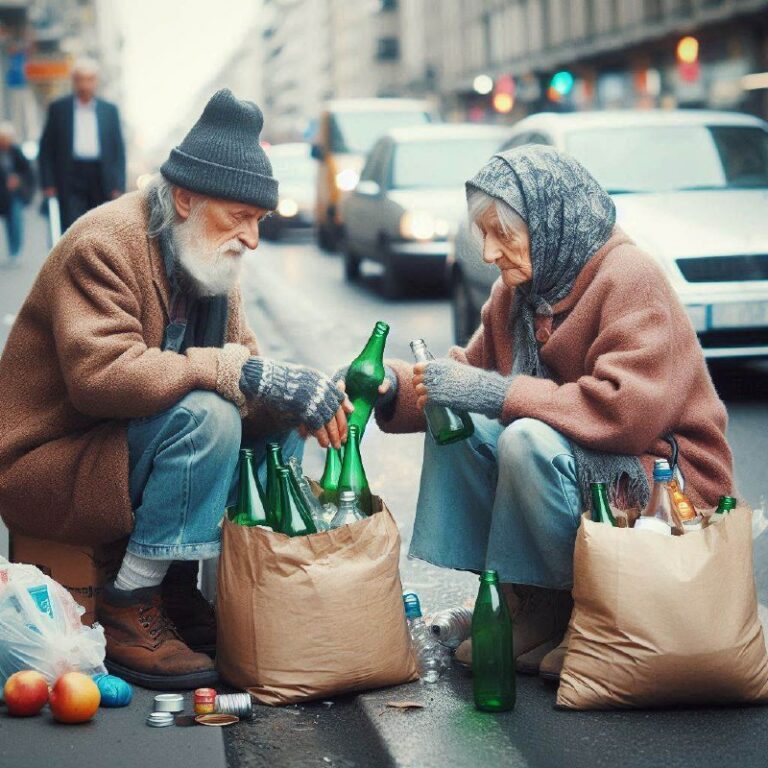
(40, 627)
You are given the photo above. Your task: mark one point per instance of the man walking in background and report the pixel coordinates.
(82, 155)
(17, 185)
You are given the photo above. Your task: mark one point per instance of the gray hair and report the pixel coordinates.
(478, 203)
(162, 211)
(85, 66)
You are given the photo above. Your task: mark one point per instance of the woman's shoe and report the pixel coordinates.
(552, 664)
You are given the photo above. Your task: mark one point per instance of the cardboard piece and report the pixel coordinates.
(82, 570)
(312, 616)
(664, 620)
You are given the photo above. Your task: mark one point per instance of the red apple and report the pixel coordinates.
(74, 698)
(25, 693)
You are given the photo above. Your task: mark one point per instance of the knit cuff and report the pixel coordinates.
(466, 388)
(251, 375)
(231, 361)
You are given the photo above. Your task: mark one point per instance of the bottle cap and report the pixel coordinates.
(159, 719)
(412, 605)
(661, 470)
(169, 702)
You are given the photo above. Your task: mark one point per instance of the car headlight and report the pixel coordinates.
(420, 225)
(287, 207)
(347, 179)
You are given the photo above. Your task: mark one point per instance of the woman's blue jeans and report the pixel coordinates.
(14, 225)
(505, 499)
(183, 467)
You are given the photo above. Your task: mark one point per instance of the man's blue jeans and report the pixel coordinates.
(183, 466)
(505, 499)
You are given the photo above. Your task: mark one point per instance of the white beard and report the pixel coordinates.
(214, 270)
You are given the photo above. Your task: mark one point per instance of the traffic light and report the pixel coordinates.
(688, 66)
(504, 94)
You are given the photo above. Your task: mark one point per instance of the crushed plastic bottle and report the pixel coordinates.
(452, 627)
(429, 653)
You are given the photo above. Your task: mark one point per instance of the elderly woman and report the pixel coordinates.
(584, 361)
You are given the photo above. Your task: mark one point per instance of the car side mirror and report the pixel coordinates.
(317, 152)
(368, 188)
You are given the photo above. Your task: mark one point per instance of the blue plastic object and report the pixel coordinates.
(115, 692)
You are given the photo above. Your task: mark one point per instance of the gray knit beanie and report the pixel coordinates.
(222, 157)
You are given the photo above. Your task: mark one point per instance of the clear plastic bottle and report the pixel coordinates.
(659, 515)
(348, 511)
(428, 652)
(452, 627)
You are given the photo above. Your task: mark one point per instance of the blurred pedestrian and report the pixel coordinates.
(584, 361)
(82, 155)
(17, 185)
(131, 376)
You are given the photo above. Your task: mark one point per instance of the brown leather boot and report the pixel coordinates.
(539, 620)
(187, 608)
(143, 646)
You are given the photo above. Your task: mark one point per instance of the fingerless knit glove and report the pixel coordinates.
(465, 387)
(294, 390)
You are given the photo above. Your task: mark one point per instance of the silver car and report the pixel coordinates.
(690, 187)
(294, 168)
(410, 198)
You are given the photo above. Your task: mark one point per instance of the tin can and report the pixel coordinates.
(238, 704)
(169, 702)
(205, 699)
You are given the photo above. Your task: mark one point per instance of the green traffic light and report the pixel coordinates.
(562, 82)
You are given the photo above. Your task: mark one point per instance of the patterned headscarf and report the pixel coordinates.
(569, 217)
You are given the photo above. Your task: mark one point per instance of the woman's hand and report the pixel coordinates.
(463, 387)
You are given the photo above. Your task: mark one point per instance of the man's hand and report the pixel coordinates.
(50, 192)
(387, 388)
(301, 393)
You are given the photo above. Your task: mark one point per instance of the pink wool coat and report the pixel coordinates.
(627, 369)
(84, 356)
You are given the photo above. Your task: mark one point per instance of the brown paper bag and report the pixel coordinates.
(662, 620)
(312, 616)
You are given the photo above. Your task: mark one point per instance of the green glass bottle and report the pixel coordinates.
(250, 509)
(601, 510)
(295, 519)
(352, 477)
(493, 664)
(329, 482)
(365, 374)
(725, 505)
(274, 462)
(445, 425)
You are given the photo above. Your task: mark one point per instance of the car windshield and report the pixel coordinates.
(440, 162)
(673, 158)
(293, 169)
(356, 132)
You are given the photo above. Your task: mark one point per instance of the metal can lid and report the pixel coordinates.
(647, 523)
(159, 719)
(217, 719)
(169, 702)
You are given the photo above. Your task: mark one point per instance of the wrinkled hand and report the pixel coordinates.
(301, 393)
(463, 387)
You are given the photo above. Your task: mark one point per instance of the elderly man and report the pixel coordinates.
(82, 155)
(130, 378)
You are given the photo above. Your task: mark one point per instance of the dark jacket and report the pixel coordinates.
(23, 169)
(56, 146)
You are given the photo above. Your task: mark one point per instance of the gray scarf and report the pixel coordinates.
(569, 217)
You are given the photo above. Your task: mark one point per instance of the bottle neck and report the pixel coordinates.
(489, 577)
(375, 346)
